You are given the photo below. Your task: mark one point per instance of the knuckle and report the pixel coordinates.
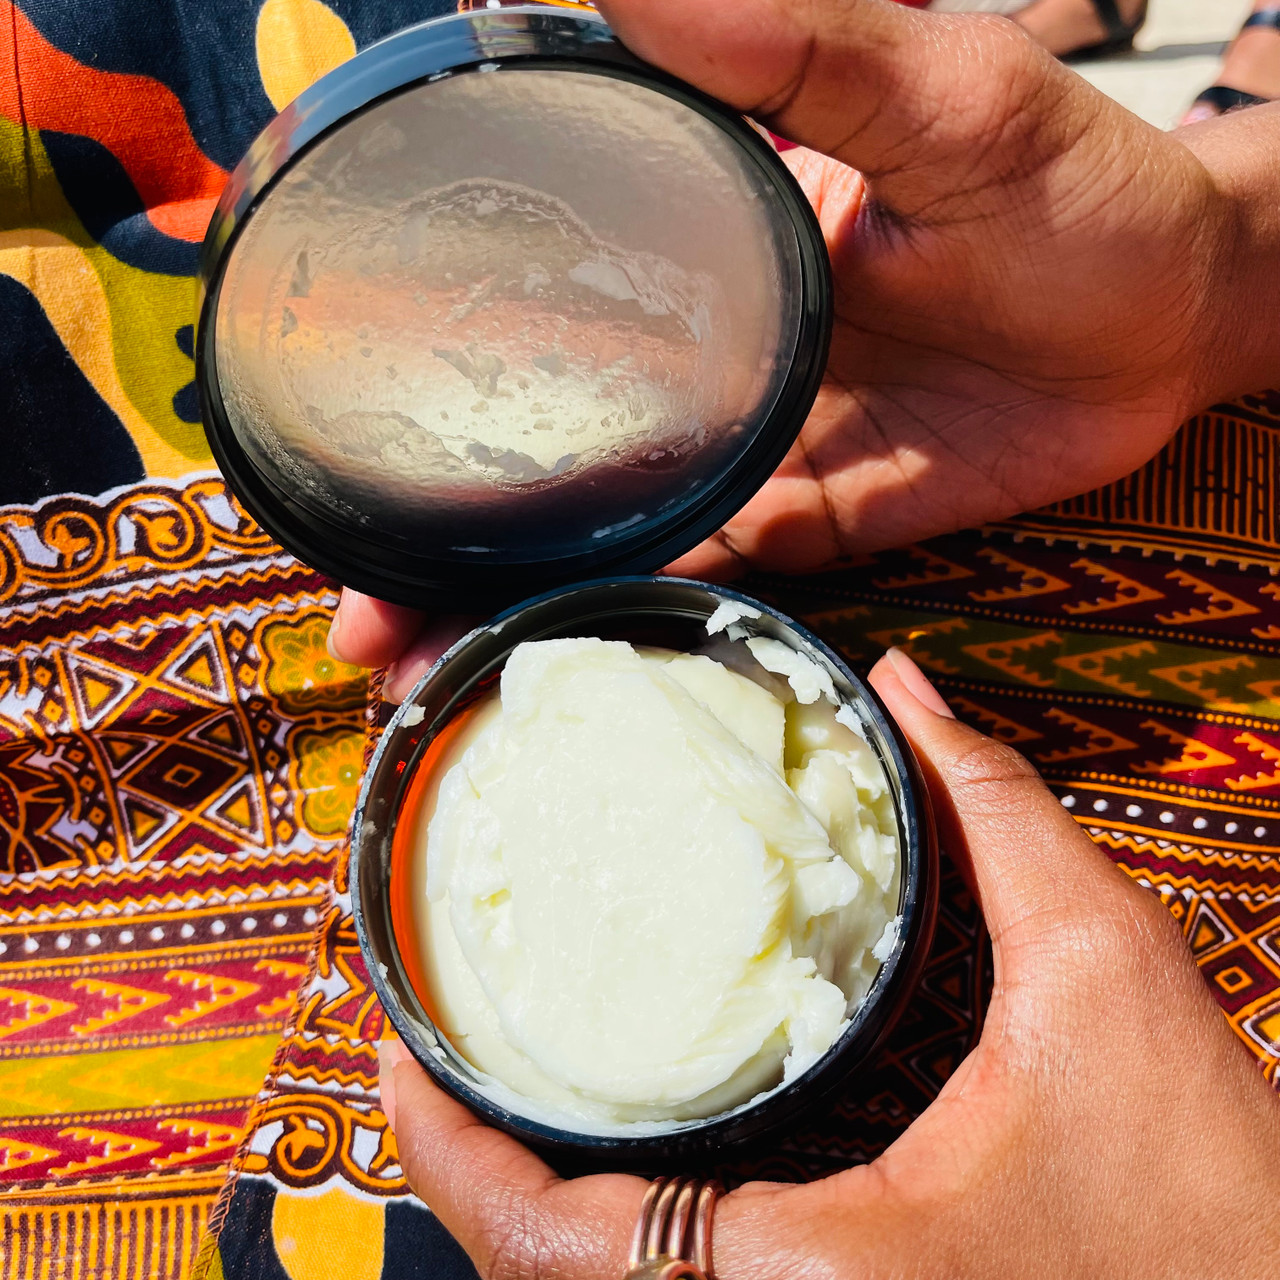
(989, 777)
(1001, 96)
(994, 55)
(1130, 941)
(1013, 66)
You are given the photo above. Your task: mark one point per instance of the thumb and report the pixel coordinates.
(926, 106)
(1034, 870)
(504, 1206)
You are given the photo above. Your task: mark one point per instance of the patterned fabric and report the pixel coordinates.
(1125, 641)
(178, 753)
(119, 123)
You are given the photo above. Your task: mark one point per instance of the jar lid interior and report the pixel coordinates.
(531, 318)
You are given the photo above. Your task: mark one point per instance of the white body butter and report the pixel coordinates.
(652, 890)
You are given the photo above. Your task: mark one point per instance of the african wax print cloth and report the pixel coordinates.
(1126, 641)
(178, 753)
(187, 1032)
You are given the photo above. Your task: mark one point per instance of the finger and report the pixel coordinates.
(901, 95)
(436, 636)
(369, 632)
(516, 1218)
(711, 561)
(508, 1210)
(1034, 869)
(787, 527)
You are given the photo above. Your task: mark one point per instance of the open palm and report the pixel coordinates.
(1023, 272)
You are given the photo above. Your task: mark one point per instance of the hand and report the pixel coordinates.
(1033, 287)
(1028, 278)
(1108, 1124)
(374, 633)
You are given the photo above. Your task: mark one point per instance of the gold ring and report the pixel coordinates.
(672, 1239)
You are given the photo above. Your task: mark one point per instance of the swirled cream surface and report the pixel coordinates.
(650, 887)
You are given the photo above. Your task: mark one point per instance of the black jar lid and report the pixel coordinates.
(495, 306)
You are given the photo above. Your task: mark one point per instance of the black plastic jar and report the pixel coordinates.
(494, 308)
(668, 613)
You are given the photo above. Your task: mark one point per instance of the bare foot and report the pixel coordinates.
(1252, 65)
(1068, 26)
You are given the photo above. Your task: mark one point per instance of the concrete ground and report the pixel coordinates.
(1177, 55)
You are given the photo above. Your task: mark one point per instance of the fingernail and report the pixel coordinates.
(402, 679)
(917, 683)
(390, 1052)
(392, 691)
(331, 641)
(1197, 114)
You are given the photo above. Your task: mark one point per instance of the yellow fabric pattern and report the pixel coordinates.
(309, 1248)
(61, 275)
(116, 321)
(164, 1075)
(297, 42)
(329, 765)
(161, 889)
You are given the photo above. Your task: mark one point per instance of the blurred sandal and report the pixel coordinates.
(1250, 74)
(1079, 29)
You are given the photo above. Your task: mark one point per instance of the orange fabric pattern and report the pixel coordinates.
(177, 184)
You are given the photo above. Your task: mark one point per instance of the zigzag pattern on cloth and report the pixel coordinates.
(176, 767)
(1142, 676)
